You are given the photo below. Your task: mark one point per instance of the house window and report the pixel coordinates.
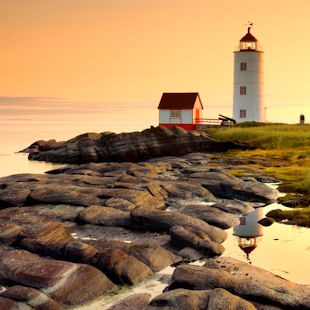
(242, 113)
(242, 90)
(175, 113)
(242, 66)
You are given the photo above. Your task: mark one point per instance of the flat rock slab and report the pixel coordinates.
(244, 280)
(66, 283)
(182, 299)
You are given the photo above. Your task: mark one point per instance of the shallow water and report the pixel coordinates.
(15, 163)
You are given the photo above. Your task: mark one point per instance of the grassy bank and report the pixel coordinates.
(282, 151)
(267, 136)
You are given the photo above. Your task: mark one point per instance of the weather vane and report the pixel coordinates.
(249, 24)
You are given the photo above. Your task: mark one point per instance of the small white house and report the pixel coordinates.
(181, 109)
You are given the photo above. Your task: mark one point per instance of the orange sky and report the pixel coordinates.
(100, 54)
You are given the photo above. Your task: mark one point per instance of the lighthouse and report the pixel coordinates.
(248, 81)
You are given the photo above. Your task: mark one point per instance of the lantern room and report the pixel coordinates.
(248, 42)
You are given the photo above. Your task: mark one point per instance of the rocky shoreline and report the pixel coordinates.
(132, 147)
(80, 232)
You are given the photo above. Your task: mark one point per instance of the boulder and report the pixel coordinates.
(106, 216)
(154, 256)
(31, 297)
(157, 220)
(134, 302)
(120, 267)
(47, 232)
(244, 280)
(81, 252)
(182, 299)
(267, 221)
(55, 250)
(197, 239)
(66, 283)
(13, 194)
(190, 254)
(9, 233)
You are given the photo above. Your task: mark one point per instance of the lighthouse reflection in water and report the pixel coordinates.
(249, 233)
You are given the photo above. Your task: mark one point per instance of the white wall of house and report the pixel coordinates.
(197, 104)
(164, 116)
(187, 117)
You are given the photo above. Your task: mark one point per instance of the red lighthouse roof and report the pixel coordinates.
(248, 37)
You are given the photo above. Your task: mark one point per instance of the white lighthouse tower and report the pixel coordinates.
(248, 81)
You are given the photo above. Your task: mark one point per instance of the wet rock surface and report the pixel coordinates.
(77, 232)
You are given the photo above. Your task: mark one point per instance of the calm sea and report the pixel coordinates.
(16, 135)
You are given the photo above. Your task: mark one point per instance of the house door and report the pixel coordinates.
(197, 117)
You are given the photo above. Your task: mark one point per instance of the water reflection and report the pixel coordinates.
(249, 233)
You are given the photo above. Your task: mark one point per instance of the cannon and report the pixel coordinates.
(226, 121)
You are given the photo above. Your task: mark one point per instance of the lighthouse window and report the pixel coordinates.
(242, 90)
(242, 113)
(175, 113)
(243, 66)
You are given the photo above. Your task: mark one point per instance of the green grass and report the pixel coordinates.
(266, 136)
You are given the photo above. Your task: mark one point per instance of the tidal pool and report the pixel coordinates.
(280, 248)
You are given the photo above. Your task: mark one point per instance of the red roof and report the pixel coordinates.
(184, 101)
(248, 37)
